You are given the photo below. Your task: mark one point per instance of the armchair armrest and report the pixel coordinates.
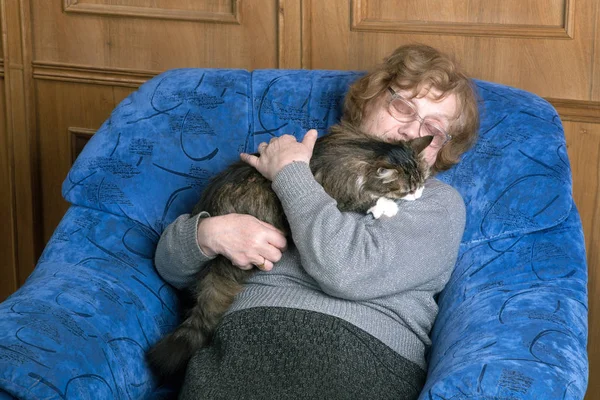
(80, 325)
(513, 319)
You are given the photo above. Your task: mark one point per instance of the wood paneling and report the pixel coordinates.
(8, 280)
(90, 75)
(20, 138)
(552, 19)
(224, 11)
(583, 143)
(143, 44)
(290, 30)
(549, 67)
(595, 86)
(78, 137)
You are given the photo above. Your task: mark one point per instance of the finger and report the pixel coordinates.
(249, 159)
(310, 138)
(262, 147)
(284, 138)
(271, 253)
(277, 240)
(267, 225)
(245, 267)
(266, 266)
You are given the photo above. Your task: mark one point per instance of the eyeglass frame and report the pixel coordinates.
(415, 116)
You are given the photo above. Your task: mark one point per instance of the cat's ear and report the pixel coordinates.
(419, 144)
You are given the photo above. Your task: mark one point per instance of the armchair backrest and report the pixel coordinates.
(151, 159)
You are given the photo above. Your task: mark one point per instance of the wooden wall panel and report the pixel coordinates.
(155, 44)
(537, 65)
(534, 19)
(18, 159)
(595, 89)
(8, 281)
(221, 10)
(583, 143)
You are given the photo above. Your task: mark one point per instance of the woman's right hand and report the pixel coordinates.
(243, 239)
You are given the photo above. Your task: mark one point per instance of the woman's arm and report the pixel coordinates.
(356, 257)
(178, 257)
(191, 241)
(351, 255)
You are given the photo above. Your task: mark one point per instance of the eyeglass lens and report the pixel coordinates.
(403, 112)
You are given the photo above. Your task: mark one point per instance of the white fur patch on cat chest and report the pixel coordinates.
(384, 206)
(416, 195)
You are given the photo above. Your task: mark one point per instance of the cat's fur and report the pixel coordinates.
(355, 169)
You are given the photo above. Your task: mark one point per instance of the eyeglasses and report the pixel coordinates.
(404, 111)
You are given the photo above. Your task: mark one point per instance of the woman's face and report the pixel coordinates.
(379, 122)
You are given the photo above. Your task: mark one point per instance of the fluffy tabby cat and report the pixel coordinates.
(361, 172)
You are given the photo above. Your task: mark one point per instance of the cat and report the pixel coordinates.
(361, 172)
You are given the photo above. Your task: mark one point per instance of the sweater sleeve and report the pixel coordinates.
(178, 257)
(357, 257)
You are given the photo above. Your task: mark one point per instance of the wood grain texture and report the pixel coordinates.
(511, 18)
(8, 262)
(289, 26)
(88, 74)
(136, 43)
(583, 144)
(222, 11)
(78, 138)
(595, 84)
(549, 67)
(577, 110)
(21, 140)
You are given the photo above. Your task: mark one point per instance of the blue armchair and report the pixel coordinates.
(513, 318)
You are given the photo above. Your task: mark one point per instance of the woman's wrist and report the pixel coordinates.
(203, 236)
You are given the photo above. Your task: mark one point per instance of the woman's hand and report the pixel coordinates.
(280, 152)
(243, 239)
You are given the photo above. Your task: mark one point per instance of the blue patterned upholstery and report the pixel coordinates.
(513, 318)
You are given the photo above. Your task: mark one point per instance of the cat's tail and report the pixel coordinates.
(170, 355)
(215, 293)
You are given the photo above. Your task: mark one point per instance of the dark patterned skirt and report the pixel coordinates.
(283, 353)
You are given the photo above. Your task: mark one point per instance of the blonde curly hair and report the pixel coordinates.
(416, 69)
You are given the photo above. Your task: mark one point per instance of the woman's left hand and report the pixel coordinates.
(280, 152)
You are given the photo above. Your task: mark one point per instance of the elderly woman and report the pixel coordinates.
(346, 309)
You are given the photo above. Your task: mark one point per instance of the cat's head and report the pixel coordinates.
(400, 171)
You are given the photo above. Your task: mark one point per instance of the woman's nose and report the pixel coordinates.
(409, 130)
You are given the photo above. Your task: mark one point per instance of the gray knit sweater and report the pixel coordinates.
(380, 275)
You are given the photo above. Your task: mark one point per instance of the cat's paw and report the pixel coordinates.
(384, 206)
(414, 196)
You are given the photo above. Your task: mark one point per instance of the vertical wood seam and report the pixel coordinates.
(9, 126)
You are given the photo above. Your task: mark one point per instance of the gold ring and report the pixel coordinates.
(262, 265)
